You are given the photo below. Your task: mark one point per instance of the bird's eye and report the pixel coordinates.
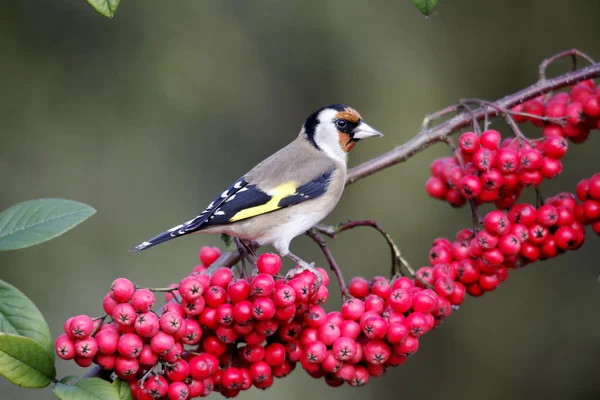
(340, 123)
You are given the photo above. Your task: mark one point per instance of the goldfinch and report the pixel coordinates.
(288, 193)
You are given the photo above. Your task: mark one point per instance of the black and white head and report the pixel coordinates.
(335, 129)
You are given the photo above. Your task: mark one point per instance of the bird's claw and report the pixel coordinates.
(306, 267)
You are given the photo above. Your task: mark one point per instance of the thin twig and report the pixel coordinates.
(573, 53)
(429, 118)
(314, 235)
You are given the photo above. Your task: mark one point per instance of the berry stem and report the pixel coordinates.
(474, 209)
(476, 127)
(429, 118)
(333, 231)
(504, 111)
(573, 53)
(314, 235)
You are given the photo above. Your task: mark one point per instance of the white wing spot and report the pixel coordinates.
(229, 199)
(224, 194)
(219, 212)
(242, 189)
(238, 184)
(175, 228)
(211, 205)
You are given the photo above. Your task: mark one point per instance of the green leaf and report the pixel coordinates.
(36, 221)
(123, 389)
(105, 7)
(425, 6)
(87, 389)
(24, 362)
(19, 316)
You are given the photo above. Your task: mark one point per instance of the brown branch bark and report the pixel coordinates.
(437, 133)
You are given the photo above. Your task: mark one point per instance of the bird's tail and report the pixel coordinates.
(172, 233)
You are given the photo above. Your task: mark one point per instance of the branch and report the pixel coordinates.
(436, 134)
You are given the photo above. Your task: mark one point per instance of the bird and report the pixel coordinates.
(289, 192)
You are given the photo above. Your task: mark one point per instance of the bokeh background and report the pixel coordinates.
(147, 116)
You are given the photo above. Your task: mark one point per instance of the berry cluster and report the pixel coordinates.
(488, 169)
(479, 260)
(588, 212)
(494, 170)
(580, 107)
(216, 333)
(224, 334)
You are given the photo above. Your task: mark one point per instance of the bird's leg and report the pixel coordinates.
(242, 251)
(250, 255)
(303, 266)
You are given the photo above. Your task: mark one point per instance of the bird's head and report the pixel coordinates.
(335, 129)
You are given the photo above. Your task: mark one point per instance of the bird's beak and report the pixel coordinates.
(364, 131)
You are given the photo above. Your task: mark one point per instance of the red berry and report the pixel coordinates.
(547, 215)
(353, 309)
(467, 271)
(202, 366)
(146, 324)
(121, 290)
(106, 362)
(468, 142)
(161, 343)
(530, 252)
(124, 314)
(491, 180)
(147, 357)
(483, 159)
(507, 160)
(130, 345)
(109, 304)
(496, 222)
(263, 308)
(143, 300)
(65, 347)
(178, 391)
(509, 245)
(374, 327)
(396, 333)
(376, 352)
(269, 263)
(594, 187)
(490, 139)
(275, 354)
(86, 348)
(209, 255)
(486, 240)
(190, 288)
(489, 282)
(536, 108)
(156, 386)
(591, 106)
(221, 277)
(238, 290)
(262, 285)
(565, 238)
(80, 327)
(358, 287)
(126, 368)
(470, 186)
(444, 286)
(574, 113)
(458, 294)
(214, 297)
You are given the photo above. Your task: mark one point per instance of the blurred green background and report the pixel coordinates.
(146, 117)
